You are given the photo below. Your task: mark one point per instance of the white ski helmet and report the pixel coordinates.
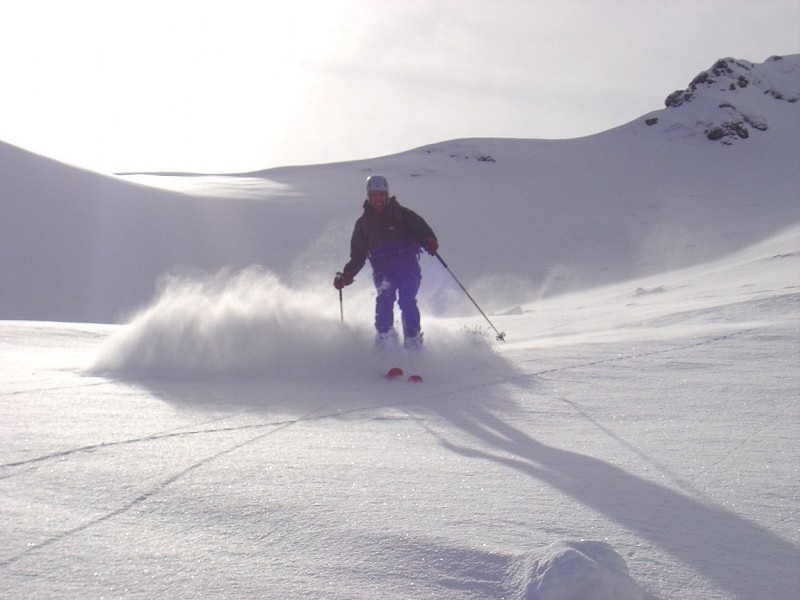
(377, 183)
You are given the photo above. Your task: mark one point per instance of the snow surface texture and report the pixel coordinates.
(634, 438)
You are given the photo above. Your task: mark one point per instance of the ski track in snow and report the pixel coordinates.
(274, 428)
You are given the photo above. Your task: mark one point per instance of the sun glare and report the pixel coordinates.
(161, 77)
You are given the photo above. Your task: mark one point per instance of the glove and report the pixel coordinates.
(342, 279)
(431, 245)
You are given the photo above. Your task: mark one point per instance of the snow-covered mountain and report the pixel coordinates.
(517, 219)
(731, 94)
(635, 438)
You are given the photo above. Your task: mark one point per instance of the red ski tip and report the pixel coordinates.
(394, 373)
(415, 379)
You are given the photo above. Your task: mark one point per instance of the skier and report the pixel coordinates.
(391, 236)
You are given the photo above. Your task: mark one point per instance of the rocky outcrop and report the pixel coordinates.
(730, 93)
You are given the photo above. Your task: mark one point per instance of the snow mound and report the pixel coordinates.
(249, 323)
(583, 570)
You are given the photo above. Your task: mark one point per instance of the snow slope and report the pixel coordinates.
(635, 437)
(516, 218)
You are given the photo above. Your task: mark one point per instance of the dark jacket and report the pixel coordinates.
(387, 239)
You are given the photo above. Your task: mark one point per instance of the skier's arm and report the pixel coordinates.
(419, 230)
(358, 251)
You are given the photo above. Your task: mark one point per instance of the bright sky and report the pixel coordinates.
(237, 85)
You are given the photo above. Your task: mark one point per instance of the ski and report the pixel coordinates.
(396, 373)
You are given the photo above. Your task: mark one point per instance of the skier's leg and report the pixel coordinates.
(384, 304)
(407, 300)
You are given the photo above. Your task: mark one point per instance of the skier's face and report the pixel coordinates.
(378, 201)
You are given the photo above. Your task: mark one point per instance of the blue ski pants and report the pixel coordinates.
(400, 286)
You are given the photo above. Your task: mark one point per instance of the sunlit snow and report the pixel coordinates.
(187, 409)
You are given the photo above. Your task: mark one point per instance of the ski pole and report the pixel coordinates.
(501, 336)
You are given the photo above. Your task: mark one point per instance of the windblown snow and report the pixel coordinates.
(250, 324)
(189, 409)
